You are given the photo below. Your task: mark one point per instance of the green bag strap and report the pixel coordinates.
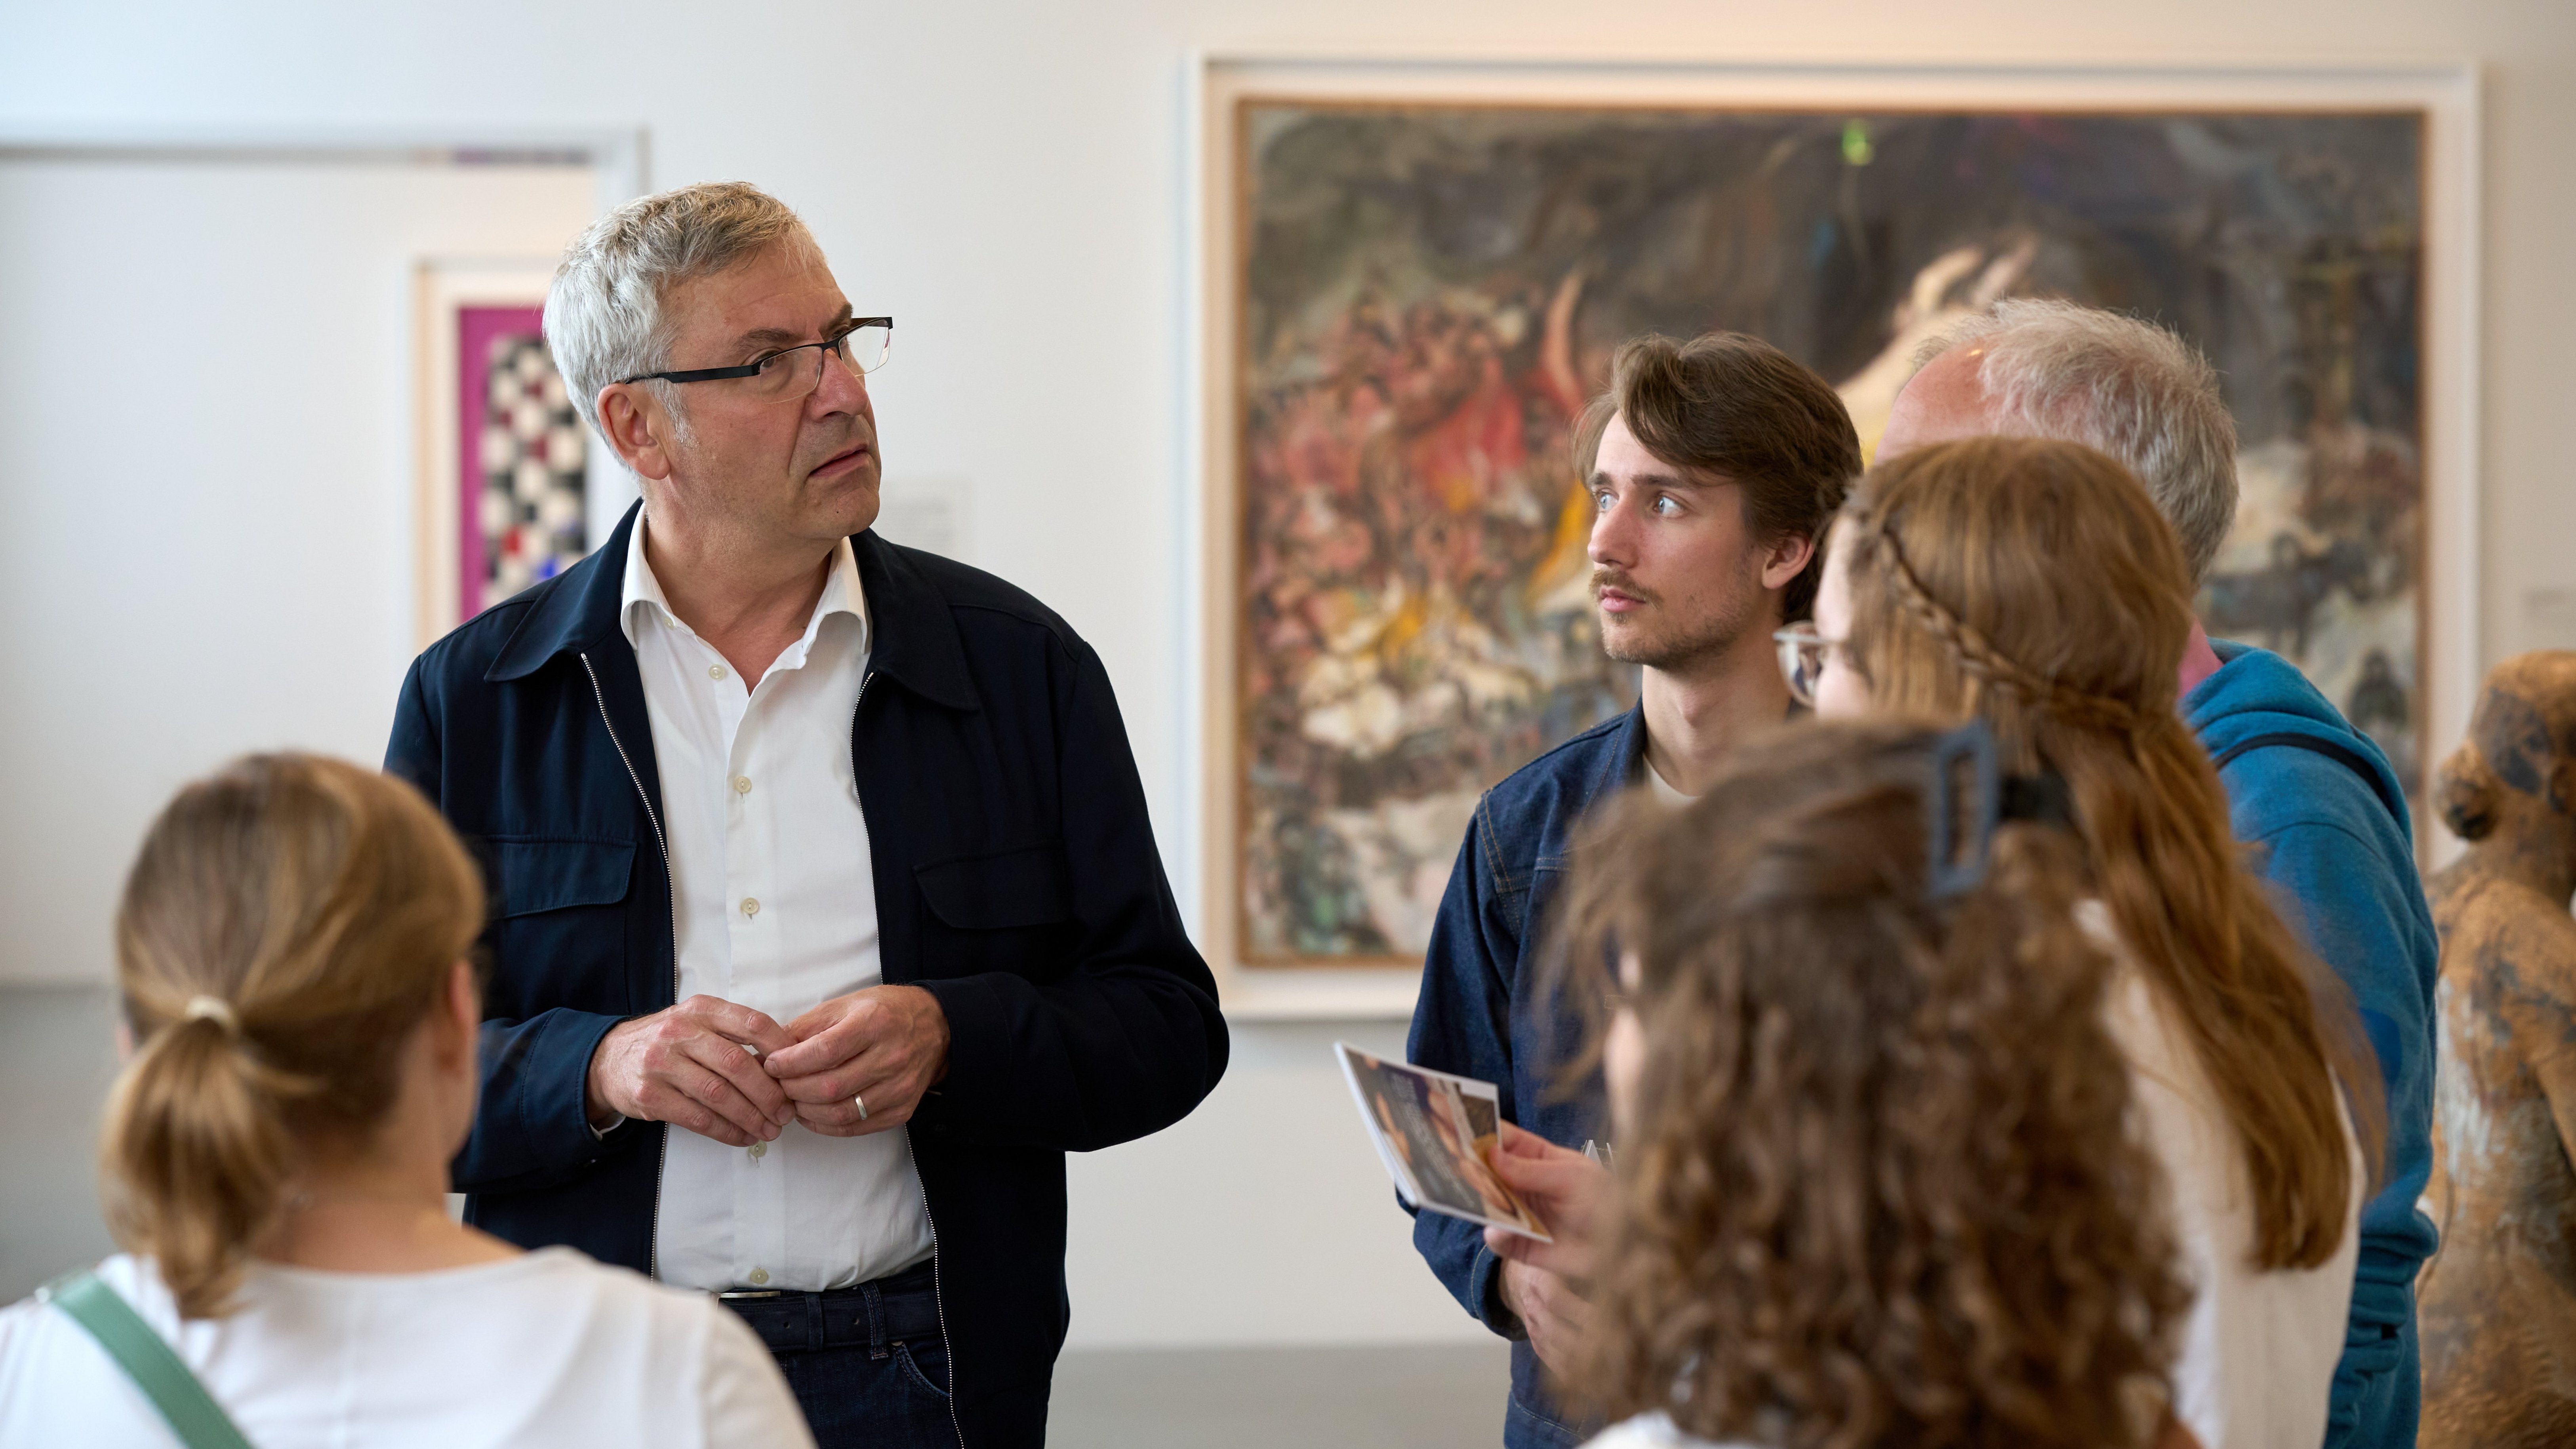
(146, 1358)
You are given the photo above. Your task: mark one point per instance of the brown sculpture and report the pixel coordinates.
(2497, 1306)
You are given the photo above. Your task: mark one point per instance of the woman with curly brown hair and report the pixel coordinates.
(2034, 584)
(1877, 1185)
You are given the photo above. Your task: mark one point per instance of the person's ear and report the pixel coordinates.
(637, 427)
(457, 1020)
(1786, 559)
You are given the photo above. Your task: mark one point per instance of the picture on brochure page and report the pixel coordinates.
(1437, 1135)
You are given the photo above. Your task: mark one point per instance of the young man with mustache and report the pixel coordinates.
(1715, 467)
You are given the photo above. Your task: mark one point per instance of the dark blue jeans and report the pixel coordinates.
(1532, 1417)
(868, 1365)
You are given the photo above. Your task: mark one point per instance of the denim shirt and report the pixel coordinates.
(1482, 1013)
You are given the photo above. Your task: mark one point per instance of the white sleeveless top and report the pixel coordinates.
(545, 1349)
(2259, 1349)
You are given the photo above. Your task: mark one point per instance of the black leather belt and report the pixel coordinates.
(874, 1314)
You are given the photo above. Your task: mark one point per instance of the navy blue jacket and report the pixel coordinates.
(2334, 847)
(1016, 880)
(1480, 1014)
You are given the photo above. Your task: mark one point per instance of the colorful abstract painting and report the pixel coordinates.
(1428, 293)
(521, 456)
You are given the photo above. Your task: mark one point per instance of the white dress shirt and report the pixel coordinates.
(776, 909)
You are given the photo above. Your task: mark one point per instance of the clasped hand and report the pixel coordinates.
(727, 1072)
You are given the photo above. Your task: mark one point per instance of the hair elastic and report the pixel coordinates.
(2042, 799)
(214, 1009)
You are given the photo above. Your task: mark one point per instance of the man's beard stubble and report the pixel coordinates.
(1675, 647)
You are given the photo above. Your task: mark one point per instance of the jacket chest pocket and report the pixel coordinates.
(559, 929)
(1010, 910)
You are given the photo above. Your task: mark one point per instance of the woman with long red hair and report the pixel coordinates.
(2033, 584)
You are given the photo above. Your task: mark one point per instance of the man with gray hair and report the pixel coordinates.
(2313, 794)
(827, 915)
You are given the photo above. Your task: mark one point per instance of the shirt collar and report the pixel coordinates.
(642, 593)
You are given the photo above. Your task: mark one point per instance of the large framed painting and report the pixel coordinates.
(1415, 275)
(504, 466)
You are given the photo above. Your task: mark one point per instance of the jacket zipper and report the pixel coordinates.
(670, 883)
(939, 1303)
(938, 1299)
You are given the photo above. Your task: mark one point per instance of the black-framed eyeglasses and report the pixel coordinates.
(1802, 659)
(784, 376)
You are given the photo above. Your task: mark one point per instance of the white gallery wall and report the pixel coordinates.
(206, 422)
(197, 561)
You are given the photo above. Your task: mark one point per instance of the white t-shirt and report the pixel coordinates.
(1652, 1431)
(546, 1349)
(1665, 794)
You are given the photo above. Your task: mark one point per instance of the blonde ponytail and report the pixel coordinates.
(200, 1143)
(286, 924)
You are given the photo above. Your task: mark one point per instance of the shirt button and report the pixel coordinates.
(750, 907)
(759, 1276)
(742, 784)
(715, 671)
(759, 1150)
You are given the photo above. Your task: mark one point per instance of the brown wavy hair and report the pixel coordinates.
(1732, 407)
(320, 907)
(2034, 583)
(1876, 1181)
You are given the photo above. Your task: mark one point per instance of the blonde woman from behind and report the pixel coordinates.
(291, 953)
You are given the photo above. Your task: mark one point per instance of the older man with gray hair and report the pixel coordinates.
(2314, 795)
(827, 915)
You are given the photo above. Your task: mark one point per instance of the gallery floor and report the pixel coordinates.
(56, 1059)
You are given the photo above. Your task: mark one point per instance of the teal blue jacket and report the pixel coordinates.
(2335, 842)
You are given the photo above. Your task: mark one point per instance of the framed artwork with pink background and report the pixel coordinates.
(504, 457)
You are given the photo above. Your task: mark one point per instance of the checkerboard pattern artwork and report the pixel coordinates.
(531, 456)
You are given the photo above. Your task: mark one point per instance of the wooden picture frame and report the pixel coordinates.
(1231, 93)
